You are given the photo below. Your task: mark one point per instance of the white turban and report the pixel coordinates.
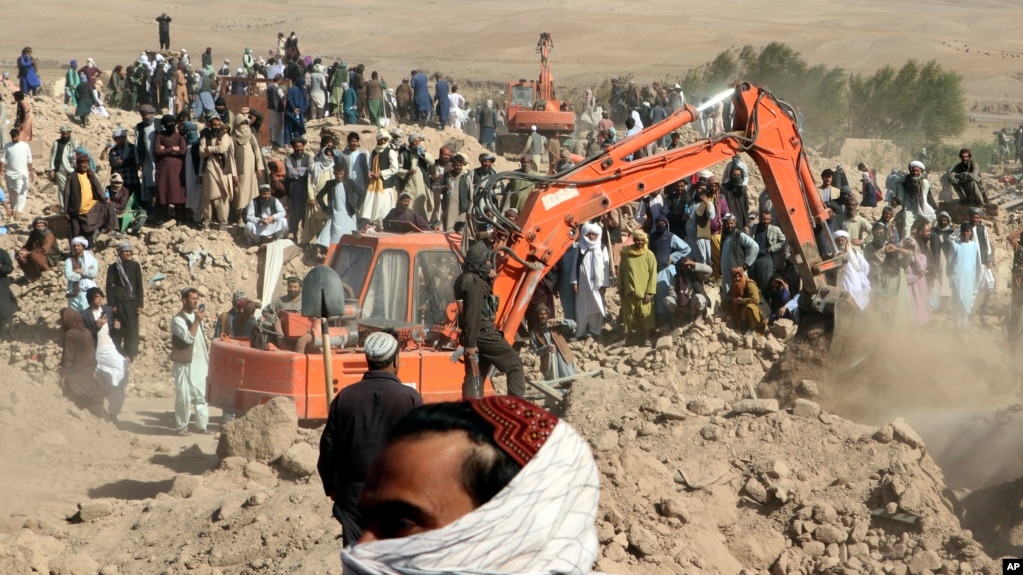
(841, 234)
(590, 229)
(541, 522)
(917, 164)
(80, 241)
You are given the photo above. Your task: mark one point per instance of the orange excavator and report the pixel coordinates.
(534, 104)
(405, 281)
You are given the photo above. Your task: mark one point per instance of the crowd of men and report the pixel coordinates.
(703, 245)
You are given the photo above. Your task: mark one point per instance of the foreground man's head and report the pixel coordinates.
(493, 485)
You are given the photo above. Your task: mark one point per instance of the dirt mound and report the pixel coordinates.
(82, 495)
(690, 485)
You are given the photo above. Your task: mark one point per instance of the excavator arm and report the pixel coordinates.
(763, 128)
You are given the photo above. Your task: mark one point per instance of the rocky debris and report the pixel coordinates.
(262, 434)
(73, 564)
(92, 510)
(28, 552)
(755, 406)
(904, 433)
(300, 460)
(805, 408)
(761, 489)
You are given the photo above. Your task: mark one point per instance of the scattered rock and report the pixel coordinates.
(757, 548)
(664, 342)
(756, 491)
(783, 329)
(807, 388)
(884, 434)
(300, 459)
(806, 408)
(923, 561)
(262, 434)
(905, 433)
(607, 441)
(710, 433)
(256, 499)
(73, 564)
(829, 534)
(642, 541)
(705, 405)
(92, 510)
(184, 486)
(755, 406)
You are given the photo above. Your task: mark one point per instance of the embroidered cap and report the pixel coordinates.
(520, 428)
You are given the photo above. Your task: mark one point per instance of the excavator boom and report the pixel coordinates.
(762, 127)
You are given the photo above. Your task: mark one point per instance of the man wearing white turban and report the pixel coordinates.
(590, 277)
(913, 193)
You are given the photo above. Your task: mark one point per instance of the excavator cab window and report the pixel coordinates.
(522, 95)
(353, 265)
(387, 296)
(435, 280)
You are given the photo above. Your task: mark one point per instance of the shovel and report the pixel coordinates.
(323, 297)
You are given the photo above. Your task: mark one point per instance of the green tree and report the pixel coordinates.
(912, 106)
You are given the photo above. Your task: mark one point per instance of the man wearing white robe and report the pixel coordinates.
(190, 363)
(111, 366)
(265, 219)
(357, 161)
(856, 274)
(339, 200)
(381, 194)
(965, 273)
(590, 278)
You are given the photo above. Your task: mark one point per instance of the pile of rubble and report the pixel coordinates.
(696, 483)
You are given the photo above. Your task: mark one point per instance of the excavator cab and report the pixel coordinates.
(521, 95)
(399, 281)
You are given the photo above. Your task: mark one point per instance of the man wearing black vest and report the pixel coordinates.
(126, 294)
(190, 358)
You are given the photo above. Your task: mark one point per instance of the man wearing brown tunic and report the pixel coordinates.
(40, 253)
(403, 97)
(86, 209)
(219, 176)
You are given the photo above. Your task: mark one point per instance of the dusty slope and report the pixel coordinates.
(493, 41)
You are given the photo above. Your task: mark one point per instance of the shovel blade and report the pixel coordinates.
(323, 293)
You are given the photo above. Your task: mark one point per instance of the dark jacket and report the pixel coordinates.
(90, 322)
(8, 305)
(354, 196)
(360, 418)
(117, 292)
(473, 291)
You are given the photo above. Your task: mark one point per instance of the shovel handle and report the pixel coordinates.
(328, 368)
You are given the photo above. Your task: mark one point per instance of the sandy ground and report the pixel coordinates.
(485, 40)
(142, 463)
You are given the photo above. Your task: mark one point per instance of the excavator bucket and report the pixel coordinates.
(850, 338)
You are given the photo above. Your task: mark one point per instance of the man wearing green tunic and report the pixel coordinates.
(637, 284)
